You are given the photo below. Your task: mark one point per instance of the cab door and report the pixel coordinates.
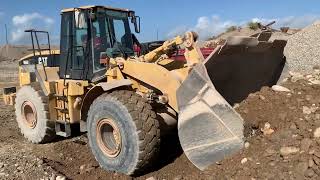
(75, 46)
(66, 44)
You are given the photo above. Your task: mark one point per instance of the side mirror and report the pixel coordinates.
(136, 21)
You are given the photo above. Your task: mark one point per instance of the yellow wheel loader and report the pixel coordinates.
(124, 102)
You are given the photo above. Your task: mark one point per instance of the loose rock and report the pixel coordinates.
(179, 177)
(262, 97)
(86, 168)
(244, 160)
(316, 133)
(151, 178)
(270, 152)
(236, 105)
(53, 177)
(285, 151)
(61, 178)
(19, 168)
(279, 88)
(317, 82)
(295, 76)
(293, 126)
(267, 130)
(309, 110)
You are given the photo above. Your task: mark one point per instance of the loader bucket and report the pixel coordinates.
(244, 65)
(209, 128)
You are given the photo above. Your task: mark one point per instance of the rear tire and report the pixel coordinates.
(126, 115)
(32, 113)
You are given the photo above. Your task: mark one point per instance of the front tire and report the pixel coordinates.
(32, 113)
(123, 133)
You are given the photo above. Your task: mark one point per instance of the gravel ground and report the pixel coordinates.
(17, 160)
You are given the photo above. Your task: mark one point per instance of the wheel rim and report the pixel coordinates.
(108, 137)
(29, 114)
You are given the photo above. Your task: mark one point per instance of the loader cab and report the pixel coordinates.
(87, 33)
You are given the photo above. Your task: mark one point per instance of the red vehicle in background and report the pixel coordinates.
(178, 55)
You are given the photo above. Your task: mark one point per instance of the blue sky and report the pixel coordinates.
(169, 17)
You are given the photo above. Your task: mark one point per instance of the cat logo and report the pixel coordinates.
(43, 60)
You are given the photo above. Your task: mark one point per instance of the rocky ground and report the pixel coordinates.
(283, 139)
(286, 141)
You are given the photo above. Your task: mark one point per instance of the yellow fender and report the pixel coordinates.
(95, 92)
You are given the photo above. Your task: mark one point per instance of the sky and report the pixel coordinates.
(161, 19)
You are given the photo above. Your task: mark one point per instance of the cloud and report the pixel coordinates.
(29, 21)
(290, 21)
(210, 26)
(205, 27)
(177, 31)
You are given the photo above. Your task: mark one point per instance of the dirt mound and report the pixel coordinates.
(291, 149)
(239, 32)
(220, 39)
(303, 49)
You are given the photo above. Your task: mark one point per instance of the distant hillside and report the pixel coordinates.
(10, 52)
(15, 52)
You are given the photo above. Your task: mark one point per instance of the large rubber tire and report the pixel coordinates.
(43, 130)
(140, 133)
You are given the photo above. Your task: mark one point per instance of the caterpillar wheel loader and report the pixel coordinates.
(124, 102)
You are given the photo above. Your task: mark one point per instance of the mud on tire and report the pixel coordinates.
(32, 114)
(139, 130)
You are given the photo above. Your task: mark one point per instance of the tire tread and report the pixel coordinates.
(147, 126)
(50, 126)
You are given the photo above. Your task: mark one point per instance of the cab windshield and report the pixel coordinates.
(120, 33)
(111, 34)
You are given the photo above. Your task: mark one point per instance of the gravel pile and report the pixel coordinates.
(303, 49)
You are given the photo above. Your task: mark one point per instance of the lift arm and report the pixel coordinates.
(193, 54)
